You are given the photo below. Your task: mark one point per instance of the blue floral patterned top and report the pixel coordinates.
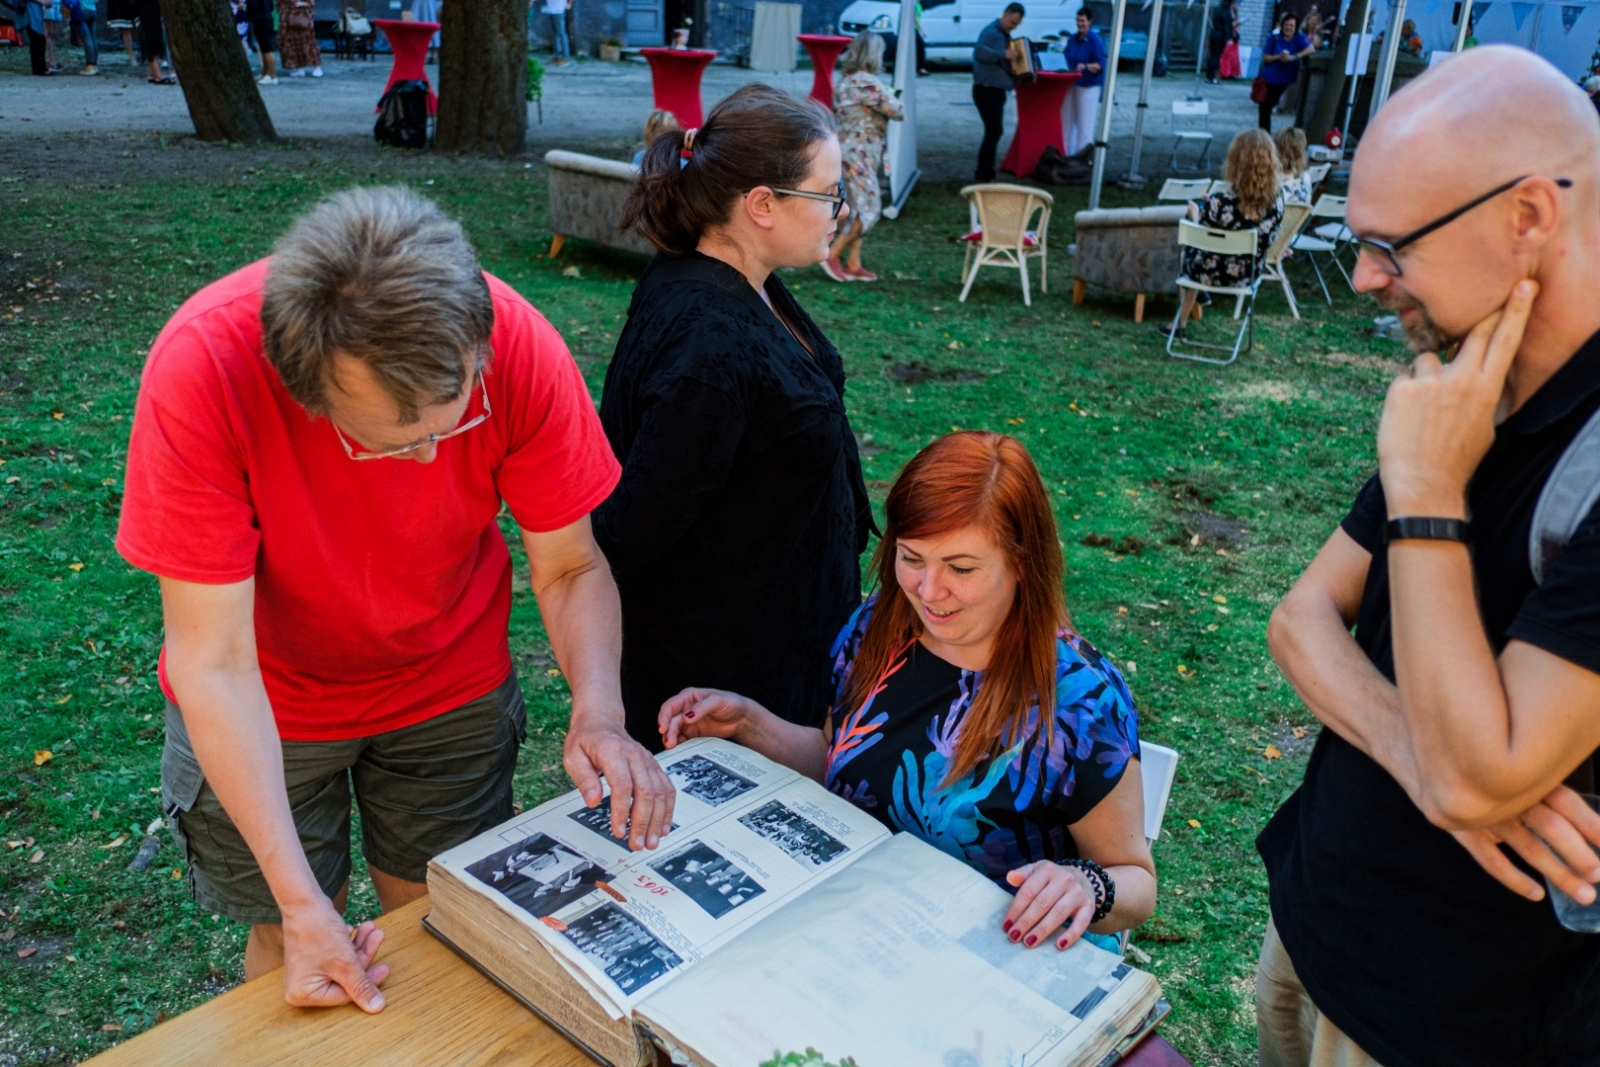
(890, 756)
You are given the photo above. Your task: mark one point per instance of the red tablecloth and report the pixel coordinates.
(1038, 120)
(409, 42)
(824, 51)
(675, 77)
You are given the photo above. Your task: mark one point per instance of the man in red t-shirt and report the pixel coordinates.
(335, 615)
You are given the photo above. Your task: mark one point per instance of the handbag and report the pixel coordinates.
(356, 24)
(1228, 64)
(299, 15)
(1258, 90)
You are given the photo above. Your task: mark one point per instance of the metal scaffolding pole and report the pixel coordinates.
(1205, 38)
(1102, 126)
(1135, 180)
(1463, 27)
(1391, 50)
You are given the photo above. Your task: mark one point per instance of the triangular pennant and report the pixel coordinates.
(1477, 11)
(1146, 5)
(1520, 13)
(1569, 16)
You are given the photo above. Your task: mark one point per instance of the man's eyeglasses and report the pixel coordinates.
(836, 199)
(432, 438)
(1386, 253)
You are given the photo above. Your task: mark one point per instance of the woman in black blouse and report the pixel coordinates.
(736, 530)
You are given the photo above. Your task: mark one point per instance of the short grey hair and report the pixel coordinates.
(384, 276)
(864, 54)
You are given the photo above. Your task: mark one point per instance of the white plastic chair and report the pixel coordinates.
(1294, 219)
(1326, 239)
(1223, 243)
(1158, 766)
(1185, 188)
(1318, 172)
(1191, 122)
(1010, 226)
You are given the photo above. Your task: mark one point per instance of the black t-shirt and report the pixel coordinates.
(1398, 935)
(736, 529)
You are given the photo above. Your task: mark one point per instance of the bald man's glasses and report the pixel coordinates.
(1385, 254)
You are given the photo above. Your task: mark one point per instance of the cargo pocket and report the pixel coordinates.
(516, 711)
(181, 782)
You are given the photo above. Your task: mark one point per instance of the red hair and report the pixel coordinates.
(988, 480)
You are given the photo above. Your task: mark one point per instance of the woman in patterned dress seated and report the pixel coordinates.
(1253, 201)
(940, 677)
(863, 106)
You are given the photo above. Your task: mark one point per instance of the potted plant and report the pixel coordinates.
(610, 49)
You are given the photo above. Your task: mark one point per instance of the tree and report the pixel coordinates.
(1327, 115)
(223, 100)
(483, 72)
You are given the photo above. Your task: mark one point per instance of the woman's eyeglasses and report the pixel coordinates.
(836, 199)
(1385, 254)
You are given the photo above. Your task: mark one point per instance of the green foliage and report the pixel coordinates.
(809, 1058)
(1189, 497)
(535, 79)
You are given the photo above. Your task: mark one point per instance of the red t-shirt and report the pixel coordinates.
(383, 588)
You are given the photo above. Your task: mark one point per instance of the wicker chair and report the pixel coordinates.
(1000, 233)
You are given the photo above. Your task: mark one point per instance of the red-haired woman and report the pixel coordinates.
(939, 680)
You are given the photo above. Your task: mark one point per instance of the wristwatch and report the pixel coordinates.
(1426, 529)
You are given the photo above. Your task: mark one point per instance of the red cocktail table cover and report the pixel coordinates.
(409, 42)
(824, 51)
(1038, 120)
(675, 77)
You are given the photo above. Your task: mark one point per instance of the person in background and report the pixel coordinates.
(38, 48)
(297, 38)
(967, 711)
(1592, 87)
(428, 11)
(922, 45)
(1293, 164)
(1313, 28)
(1457, 691)
(1410, 39)
(992, 82)
(1086, 55)
(123, 16)
(864, 107)
(658, 123)
(555, 11)
(153, 43)
(266, 36)
(1254, 201)
(1280, 64)
(1224, 30)
(736, 531)
(84, 15)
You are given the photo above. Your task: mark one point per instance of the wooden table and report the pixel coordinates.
(1038, 120)
(824, 50)
(440, 1011)
(409, 42)
(675, 80)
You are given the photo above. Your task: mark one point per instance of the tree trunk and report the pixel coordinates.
(214, 71)
(483, 77)
(1327, 114)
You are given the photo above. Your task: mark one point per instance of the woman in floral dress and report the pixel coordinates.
(1254, 201)
(967, 711)
(297, 38)
(864, 106)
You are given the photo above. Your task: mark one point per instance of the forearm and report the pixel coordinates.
(800, 748)
(1338, 684)
(235, 738)
(1136, 899)
(583, 616)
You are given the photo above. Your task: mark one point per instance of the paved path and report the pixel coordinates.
(588, 106)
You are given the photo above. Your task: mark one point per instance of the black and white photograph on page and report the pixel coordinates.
(539, 874)
(708, 878)
(622, 946)
(707, 781)
(598, 819)
(797, 835)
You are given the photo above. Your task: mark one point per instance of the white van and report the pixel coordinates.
(951, 28)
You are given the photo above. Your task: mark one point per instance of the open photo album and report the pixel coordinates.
(775, 916)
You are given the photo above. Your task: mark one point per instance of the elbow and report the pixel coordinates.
(1454, 805)
(1281, 629)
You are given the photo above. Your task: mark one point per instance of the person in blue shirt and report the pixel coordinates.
(1086, 55)
(1280, 64)
(992, 82)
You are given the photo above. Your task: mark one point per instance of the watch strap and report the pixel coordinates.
(1426, 529)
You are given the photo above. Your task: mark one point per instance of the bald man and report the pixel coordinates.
(1402, 934)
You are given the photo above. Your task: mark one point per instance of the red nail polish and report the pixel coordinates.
(1062, 943)
(1006, 926)
(1016, 935)
(1031, 941)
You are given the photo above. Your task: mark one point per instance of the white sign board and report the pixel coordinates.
(901, 153)
(1355, 60)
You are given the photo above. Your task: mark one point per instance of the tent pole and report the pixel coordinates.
(1205, 37)
(1391, 51)
(1102, 126)
(1463, 27)
(1135, 180)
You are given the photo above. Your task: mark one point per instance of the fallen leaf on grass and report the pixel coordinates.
(36, 857)
(1272, 752)
(111, 1028)
(24, 953)
(1194, 824)
(66, 698)
(74, 567)
(1299, 732)
(118, 843)
(42, 756)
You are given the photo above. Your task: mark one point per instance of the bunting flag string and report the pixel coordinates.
(1569, 16)
(1520, 12)
(1477, 11)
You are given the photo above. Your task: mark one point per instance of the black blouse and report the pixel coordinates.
(736, 530)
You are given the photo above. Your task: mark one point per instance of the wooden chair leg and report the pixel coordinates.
(555, 245)
(1138, 308)
(1078, 287)
(1198, 313)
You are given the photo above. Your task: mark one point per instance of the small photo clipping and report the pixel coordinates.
(802, 839)
(622, 946)
(708, 878)
(598, 819)
(708, 781)
(538, 874)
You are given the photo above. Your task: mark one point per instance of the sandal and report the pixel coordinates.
(860, 274)
(167, 80)
(834, 269)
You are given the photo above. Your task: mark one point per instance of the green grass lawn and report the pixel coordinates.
(1189, 497)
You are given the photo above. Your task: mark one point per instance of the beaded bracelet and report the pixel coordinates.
(1105, 889)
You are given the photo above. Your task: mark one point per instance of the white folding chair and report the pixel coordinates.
(1158, 766)
(1318, 172)
(1222, 243)
(1294, 219)
(1005, 233)
(1184, 188)
(1191, 122)
(1326, 239)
